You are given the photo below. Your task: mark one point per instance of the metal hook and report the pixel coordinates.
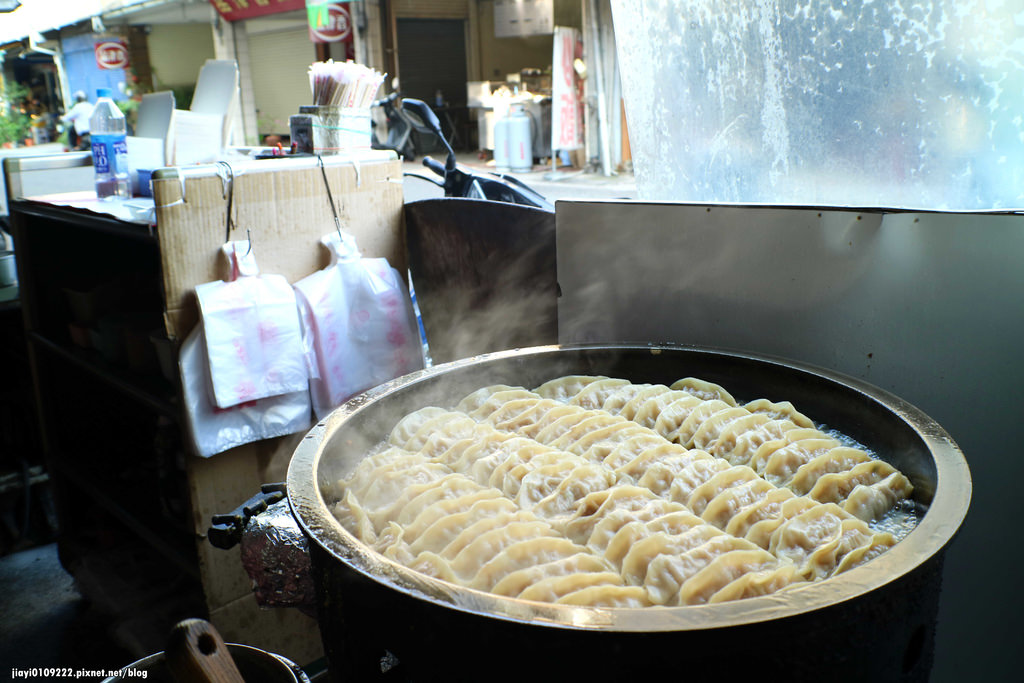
(248, 236)
(330, 198)
(227, 178)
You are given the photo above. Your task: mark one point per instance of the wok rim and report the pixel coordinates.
(936, 529)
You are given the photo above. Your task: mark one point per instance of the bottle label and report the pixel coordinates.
(110, 154)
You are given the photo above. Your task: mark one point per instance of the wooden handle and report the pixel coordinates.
(197, 654)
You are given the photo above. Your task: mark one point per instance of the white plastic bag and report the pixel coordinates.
(252, 333)
(358, 323)
(214, 429)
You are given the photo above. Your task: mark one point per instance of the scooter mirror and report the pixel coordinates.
(420, 116)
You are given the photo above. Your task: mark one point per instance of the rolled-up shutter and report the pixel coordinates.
(280, 63)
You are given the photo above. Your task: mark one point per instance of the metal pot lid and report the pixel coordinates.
(927, 454)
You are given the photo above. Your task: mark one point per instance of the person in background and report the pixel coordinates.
(79, 116)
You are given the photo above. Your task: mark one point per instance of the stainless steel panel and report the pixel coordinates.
(924, 305)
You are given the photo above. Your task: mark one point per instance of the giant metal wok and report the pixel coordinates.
(876, 622)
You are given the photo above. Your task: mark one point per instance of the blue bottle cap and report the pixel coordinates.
(103, 92)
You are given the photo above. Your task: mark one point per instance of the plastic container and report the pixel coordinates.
(107, 130)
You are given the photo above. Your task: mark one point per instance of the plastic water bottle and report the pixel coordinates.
(107, 131)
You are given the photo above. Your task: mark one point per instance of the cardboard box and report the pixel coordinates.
(283, 203)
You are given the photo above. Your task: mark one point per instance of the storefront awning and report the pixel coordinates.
(38, 16)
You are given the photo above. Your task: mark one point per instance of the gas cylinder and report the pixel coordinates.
(501, 148)
(520, 138)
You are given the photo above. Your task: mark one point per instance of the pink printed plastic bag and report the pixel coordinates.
(252, 333)
(358, 324)
(214, 429)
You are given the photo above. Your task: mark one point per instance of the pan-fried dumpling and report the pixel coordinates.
(485, 525)
(564, 388)
(836, 486)
(756, 583)
(877, 545)
(838, 459)
(672, 416)
(784, 462)
(485, 547)
(477, 398)
(410, 424)
(515, 582)
(438, 525)
(658, 515)
(722, 508)
(814, 540)
(649, 411)
(551, 588)
(497, 399)
(760, 533)
(689, 478)
(520, 554)
(738, 444)
(767, 508)
(705, 391)
(363, 474)
(643, 551)
(783, 410)
(547, 417)
(874, 501)
(765, 450)
(661, 472)
(649, 392)
(444, 426)
(669, 571)
(682, 532)
(594, 394)
(695, 419)
(455, 485)
(711, 428)
(728, 478)
(353, 517)
(391, 489)
(722, 571)
(581, 481)
(595, 506)
(520, 412)
(508, 476)
(571, 427)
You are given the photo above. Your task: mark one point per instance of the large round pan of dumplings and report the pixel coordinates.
(714, 553)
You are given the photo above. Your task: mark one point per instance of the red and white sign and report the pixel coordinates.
(111, 54)
(330, 22)
(566, 112)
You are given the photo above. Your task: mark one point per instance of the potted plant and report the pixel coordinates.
(15, 125)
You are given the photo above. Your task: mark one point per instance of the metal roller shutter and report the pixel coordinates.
(280, 62)
(432, 57)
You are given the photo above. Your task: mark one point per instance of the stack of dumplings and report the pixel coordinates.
(600, 492)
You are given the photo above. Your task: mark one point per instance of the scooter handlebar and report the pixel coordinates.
(434, 165)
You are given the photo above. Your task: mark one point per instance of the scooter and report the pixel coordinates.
(457, 181)
(399, 133)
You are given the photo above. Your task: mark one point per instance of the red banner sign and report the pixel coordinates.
(111, 54)
(330, 23)
(234, 10)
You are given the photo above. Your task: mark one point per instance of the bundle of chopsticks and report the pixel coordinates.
(343, 84)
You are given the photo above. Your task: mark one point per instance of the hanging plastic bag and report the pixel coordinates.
(358, 323)
(252, 333)
(214, 429)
